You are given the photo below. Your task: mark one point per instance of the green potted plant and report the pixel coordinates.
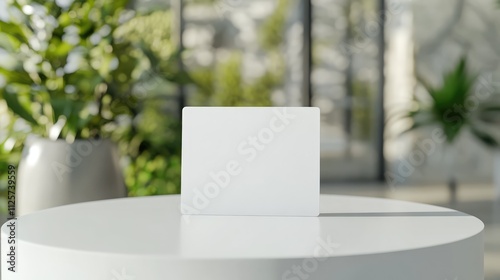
(72, 81)
(454, 107)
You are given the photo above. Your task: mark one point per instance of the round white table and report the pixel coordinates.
(148, 239)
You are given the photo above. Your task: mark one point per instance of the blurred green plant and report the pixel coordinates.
(92, 69)
(362, 111)
(224, 84)
(453, 107)
(272, 30)
(155, 146)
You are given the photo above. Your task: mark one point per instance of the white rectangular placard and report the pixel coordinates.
(250, 161)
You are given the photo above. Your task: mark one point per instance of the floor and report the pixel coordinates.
(477, 200)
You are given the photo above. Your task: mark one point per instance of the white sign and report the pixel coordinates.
(250, 161)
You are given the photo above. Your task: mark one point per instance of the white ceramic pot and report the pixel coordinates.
(54, 173)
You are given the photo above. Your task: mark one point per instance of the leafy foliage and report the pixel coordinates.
(227, 87)
(103, 70)
(272, 30)
(224, 84)
(454, 107)
(362, 112)
(70, 66)
(95, 67)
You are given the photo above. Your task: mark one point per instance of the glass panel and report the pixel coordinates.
(425, 47)
(243, 53)
(345, 81)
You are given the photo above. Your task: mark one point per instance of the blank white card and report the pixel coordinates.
(250, 161)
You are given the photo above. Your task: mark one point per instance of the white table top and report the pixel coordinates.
(153, 226)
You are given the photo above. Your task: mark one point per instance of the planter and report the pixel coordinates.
(54, 173)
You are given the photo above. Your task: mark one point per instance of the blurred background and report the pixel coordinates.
(408, 90)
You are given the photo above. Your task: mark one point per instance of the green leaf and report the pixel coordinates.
(452, 130)
(16, 77)
(489, 115)
(70, 109)
(15, 30)
(484, 137)
(9, 42)
(455, 90)
(19, 104)
(66, 107)
(58, 48)
(492, 109)
(448, 101)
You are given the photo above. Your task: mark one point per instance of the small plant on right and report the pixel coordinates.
(454, 107)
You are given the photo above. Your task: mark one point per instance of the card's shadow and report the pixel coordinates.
(396, 214)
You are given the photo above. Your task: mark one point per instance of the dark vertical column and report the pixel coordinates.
(348, 84)
(178, 8)
(307, 54)
(380, 111)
